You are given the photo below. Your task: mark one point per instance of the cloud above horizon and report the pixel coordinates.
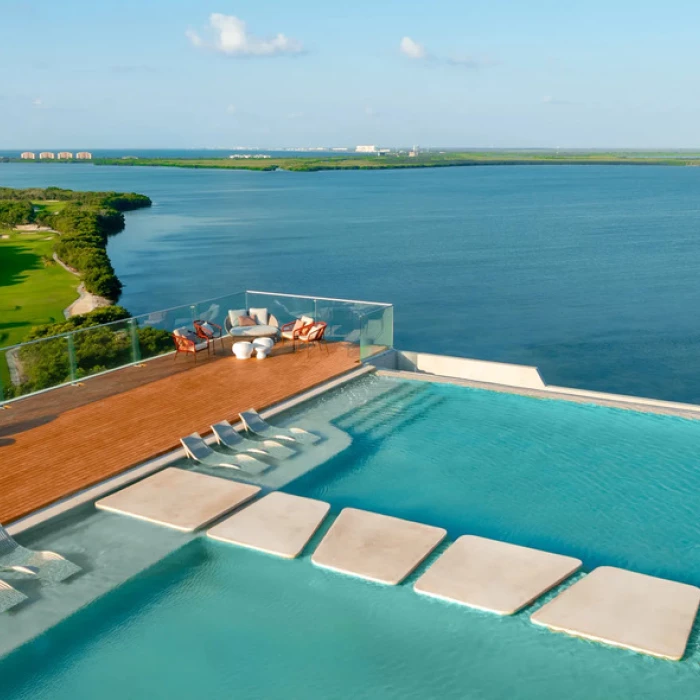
(418, 52)
(412, 49)
(229, 35)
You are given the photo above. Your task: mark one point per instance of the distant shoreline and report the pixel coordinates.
(398, 161)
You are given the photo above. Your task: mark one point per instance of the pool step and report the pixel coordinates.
(395, 422)
(376, 405)
(396, 405)
(390, 400)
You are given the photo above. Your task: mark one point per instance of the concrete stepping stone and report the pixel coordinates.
(626, 609)
(278, 523)
(494, 576)
(376, 547)
(179, 499)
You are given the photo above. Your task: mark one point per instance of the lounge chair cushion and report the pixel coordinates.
(306, 320)
(260, 316)
(208, 329)
(298, 324)
(233, 316)
(186, 333)
(246, 321)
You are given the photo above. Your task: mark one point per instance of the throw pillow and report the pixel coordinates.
(246, 321)
(260, 316)
(233, 315)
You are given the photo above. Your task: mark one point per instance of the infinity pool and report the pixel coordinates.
(212, 620)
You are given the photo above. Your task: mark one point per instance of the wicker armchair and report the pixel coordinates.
(209, 331)
(187, 342)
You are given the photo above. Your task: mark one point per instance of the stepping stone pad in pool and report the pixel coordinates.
(179, 499)
(279, 523)
(626, 609)
(376, 547)
(494, 576)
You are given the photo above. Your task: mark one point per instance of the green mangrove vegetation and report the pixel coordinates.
(428, 159)
(34, 289)
(84, 220)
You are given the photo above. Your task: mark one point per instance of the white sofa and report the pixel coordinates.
(266, 324)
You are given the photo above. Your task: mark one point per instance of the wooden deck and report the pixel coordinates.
(57, 443)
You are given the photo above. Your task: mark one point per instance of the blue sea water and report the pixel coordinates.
(588, 272)
(218, 621)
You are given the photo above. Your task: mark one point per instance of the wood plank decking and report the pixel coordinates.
(57, 443)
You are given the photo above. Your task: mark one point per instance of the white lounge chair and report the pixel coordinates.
(47, 566)
(199, 451)
(255, 424)
(231, 439)
(9, 596)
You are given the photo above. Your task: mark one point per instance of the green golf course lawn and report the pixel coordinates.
(33, 288)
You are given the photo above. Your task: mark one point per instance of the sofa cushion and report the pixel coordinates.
(260, 316)
(233, 316)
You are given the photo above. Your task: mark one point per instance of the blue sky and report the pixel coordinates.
(184, 73)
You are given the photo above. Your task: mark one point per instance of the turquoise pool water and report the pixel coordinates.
(606, 485)
(212, 620)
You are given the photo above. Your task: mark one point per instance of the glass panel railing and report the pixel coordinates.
(101, 348)
(376, 331)
(217, 310)
(365, 328)
(36, 365)
(283, 307)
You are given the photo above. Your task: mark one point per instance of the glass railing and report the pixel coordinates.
(45, 363)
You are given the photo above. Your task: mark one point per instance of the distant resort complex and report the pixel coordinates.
(50, 155)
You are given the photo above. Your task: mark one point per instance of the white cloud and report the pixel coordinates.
(412, 49)
(229, 35)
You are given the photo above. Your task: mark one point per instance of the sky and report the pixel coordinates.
(286, 73)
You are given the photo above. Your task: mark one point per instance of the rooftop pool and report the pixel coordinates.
(206, 619)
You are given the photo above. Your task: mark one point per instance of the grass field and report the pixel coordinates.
(33, 288)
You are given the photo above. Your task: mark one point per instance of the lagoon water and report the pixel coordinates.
(589, 272)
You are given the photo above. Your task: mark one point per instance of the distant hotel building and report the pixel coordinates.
(65, 155)
(28, 155)
(47, 155)
(366, 149)
(83, 155)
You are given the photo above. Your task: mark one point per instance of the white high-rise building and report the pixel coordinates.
(366, 149)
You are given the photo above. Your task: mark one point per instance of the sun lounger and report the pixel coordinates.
(9, 597)
(47, 566)
(228, 437)
(255, 424)
(199, 451)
